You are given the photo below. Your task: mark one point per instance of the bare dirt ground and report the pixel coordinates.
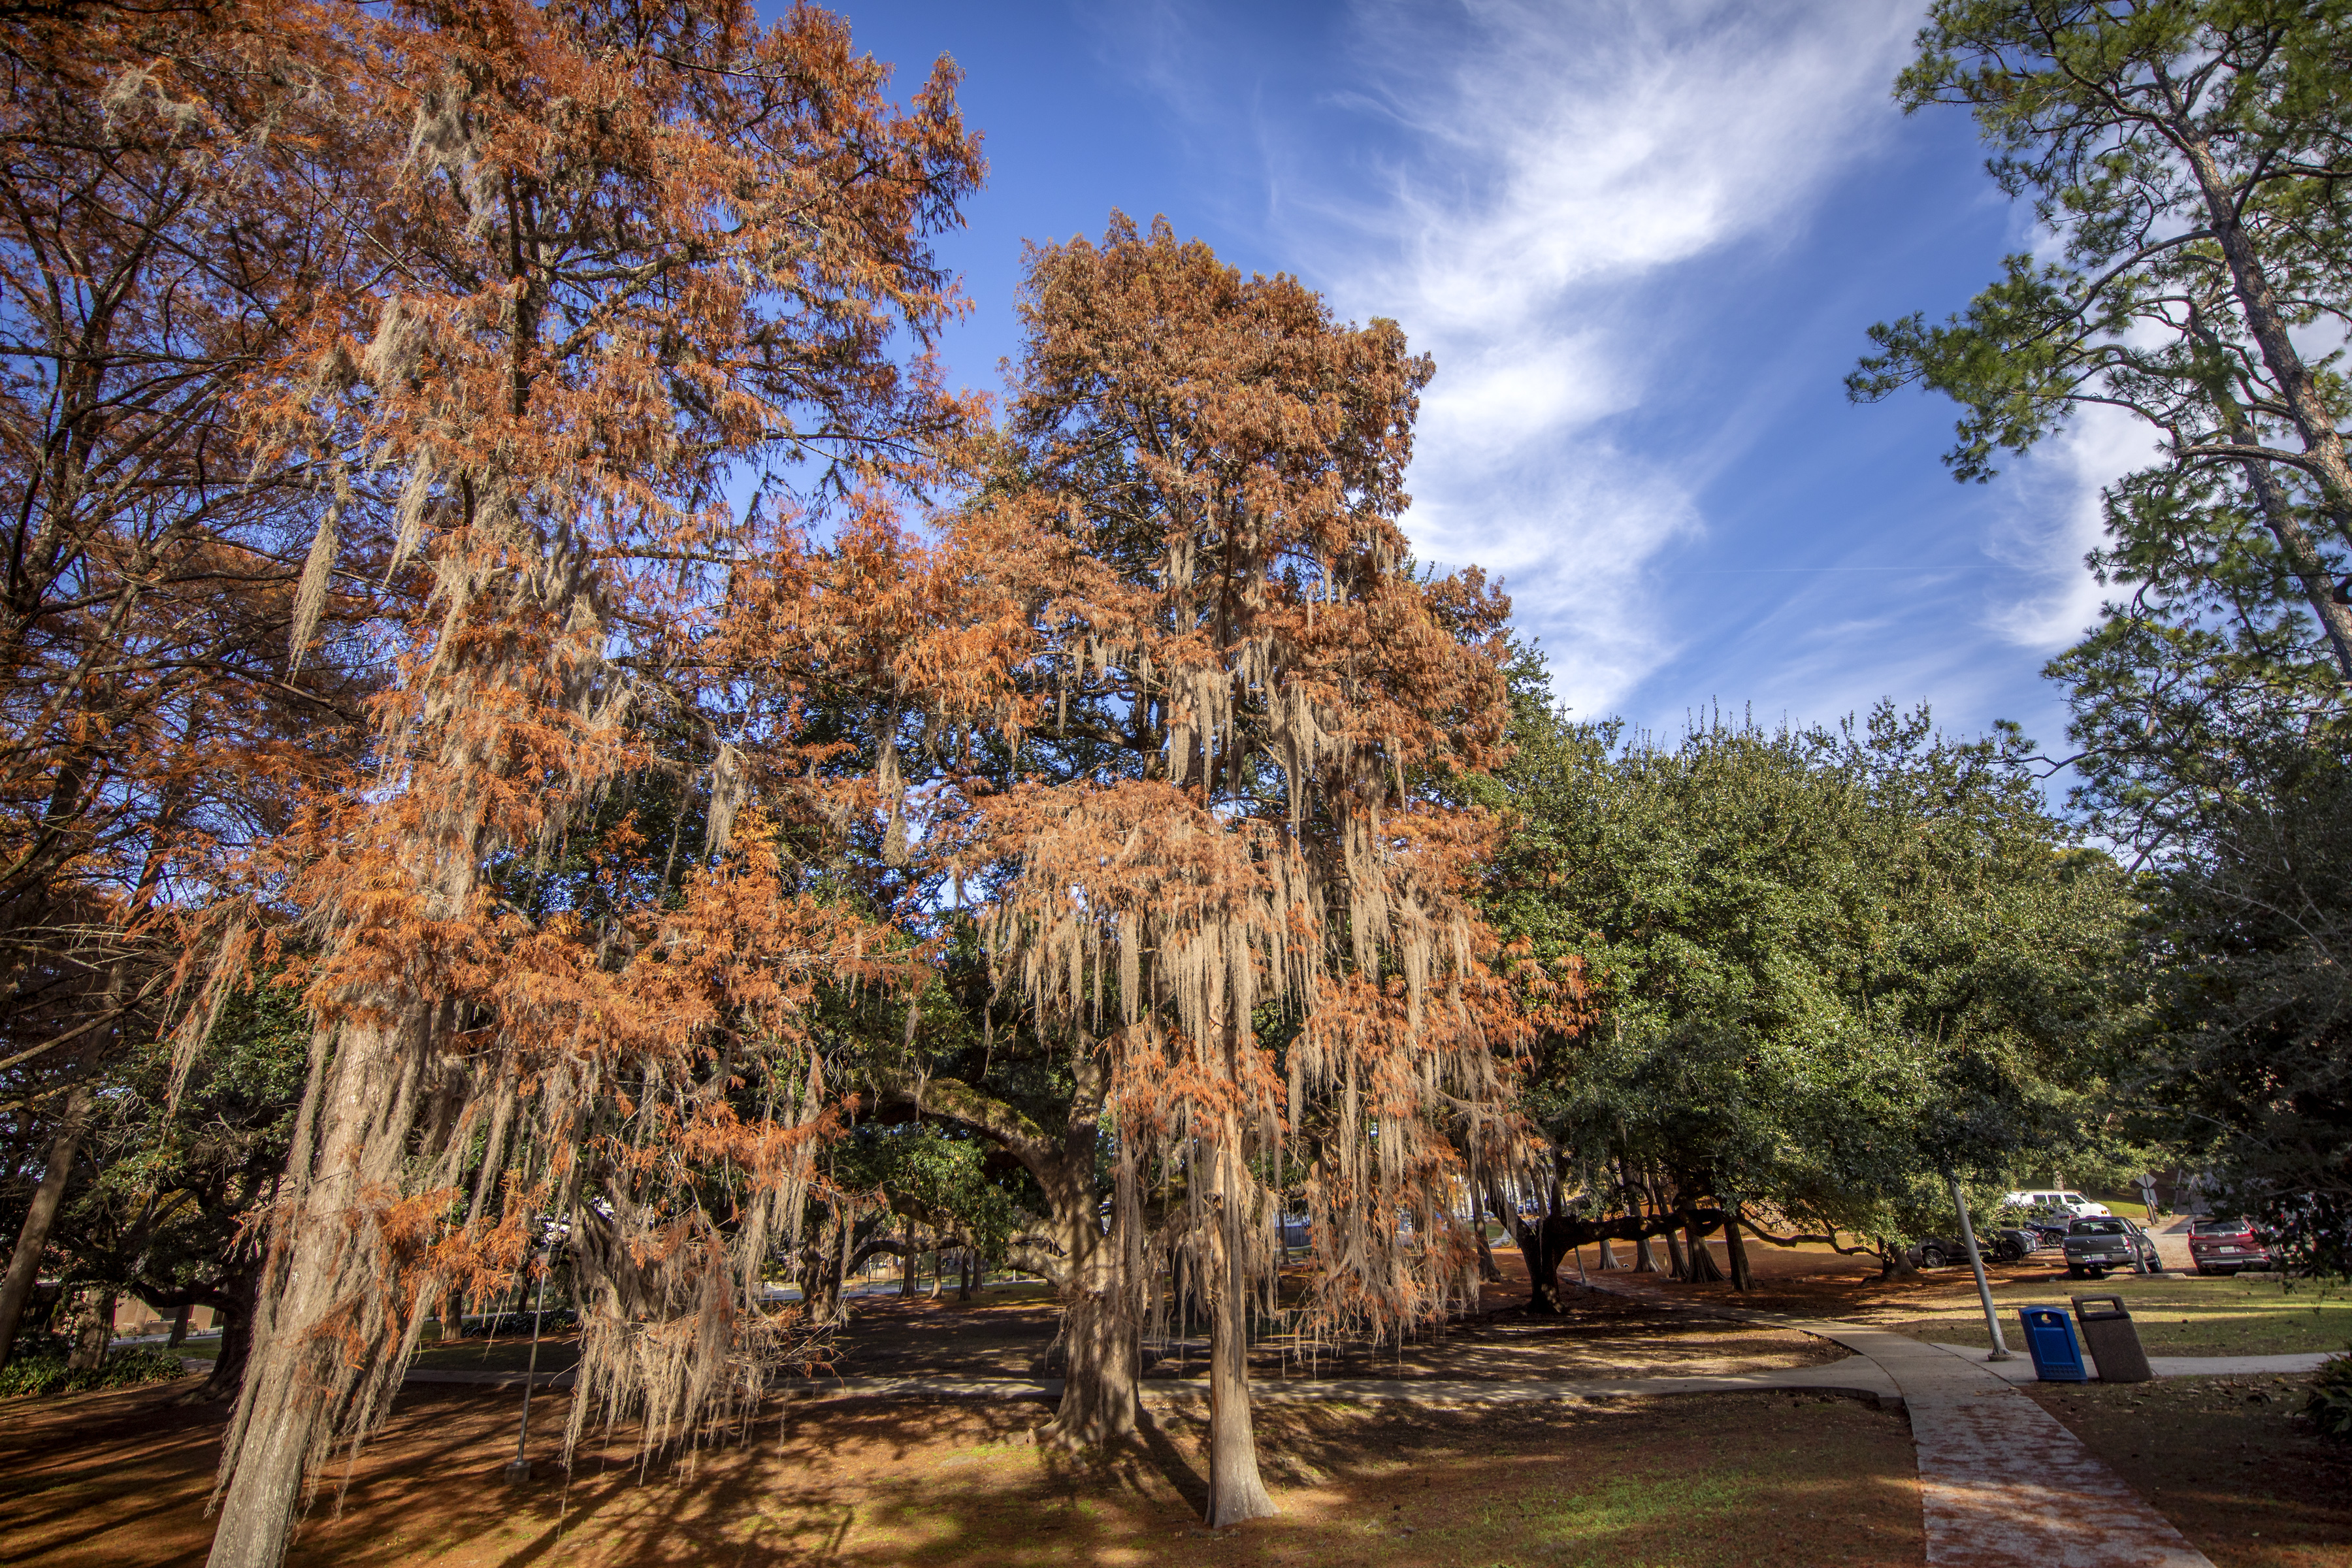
(2227, 1460)
(1703, 1480)
(1004, 1331)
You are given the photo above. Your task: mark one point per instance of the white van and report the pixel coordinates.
(2074, 1204)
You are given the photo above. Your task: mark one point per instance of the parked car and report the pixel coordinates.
(2095, 1245)
(2049, 1231)
(2020, 1241)
(2227, 1246)
(2058, 1200)
(2006, 1245)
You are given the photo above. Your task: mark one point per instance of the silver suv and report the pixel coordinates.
(2095, 1245)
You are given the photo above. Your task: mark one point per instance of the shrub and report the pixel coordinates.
(46, 1373)
(2330, 1405)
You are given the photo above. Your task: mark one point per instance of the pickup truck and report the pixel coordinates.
(2095, 1245)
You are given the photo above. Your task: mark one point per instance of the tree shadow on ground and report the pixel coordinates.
(866, 1483)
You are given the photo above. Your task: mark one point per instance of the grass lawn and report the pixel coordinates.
(1699, 1480)
(2220, 1316)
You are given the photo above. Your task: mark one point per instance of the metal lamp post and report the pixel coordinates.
(1976, 1262)
(520, 1469)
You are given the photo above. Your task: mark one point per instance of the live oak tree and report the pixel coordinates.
(177, 1163)
(1826, 968)
(1218, 874)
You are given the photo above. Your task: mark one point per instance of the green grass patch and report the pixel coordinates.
(2175, 1317)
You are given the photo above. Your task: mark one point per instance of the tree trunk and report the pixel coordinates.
(1892, 1264)
(1545, 1251)
(181, 1322)
(2303, 558)
(1678, 1267)
(907, 1268)
(1105, 1346)
(33, 1236)
(1736, 1248)
(1487, 1271)
(321, 1271)
(1645, 1261)
(2314, 421)
(1703, 1271)
(1608, 1258)
(236, 1345)
(1102, 1321)
(94, 1333)
(1236, 1492)
(969, 1259)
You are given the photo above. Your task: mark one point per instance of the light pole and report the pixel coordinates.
(1976, 1262)
(520, 1468)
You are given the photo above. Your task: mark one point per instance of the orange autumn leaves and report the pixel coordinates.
(594, 425)
(1234, 858)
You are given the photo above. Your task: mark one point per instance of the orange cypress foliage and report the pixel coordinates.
(623, 251)
(159, 241)
(1234, 868)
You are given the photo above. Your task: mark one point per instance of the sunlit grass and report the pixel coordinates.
(2174, 1317)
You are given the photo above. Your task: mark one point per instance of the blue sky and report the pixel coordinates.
(1645, 242)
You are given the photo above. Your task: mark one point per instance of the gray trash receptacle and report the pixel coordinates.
(2108, 1336)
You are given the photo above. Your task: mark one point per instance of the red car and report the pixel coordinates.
(2227, 1246)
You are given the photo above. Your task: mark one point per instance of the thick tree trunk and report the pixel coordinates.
(1678, 1267)
(1646, 1256)
(93, 1332)
(1545, 1247)
(1703, 1271)
(907, 1274)
(1102, 1324)
(969, 1258)
(1892, 1264)
(180, 1324)
(1608, 1258)
(321, 1268)
(236, 1346)
(33, 1236)
(1105, 1346)
(1236, 1491)
(1736, 1249)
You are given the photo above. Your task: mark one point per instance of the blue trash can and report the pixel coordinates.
(2049, 1341)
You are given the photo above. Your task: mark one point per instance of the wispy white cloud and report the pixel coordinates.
(2052, 518)
(1556, 166)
